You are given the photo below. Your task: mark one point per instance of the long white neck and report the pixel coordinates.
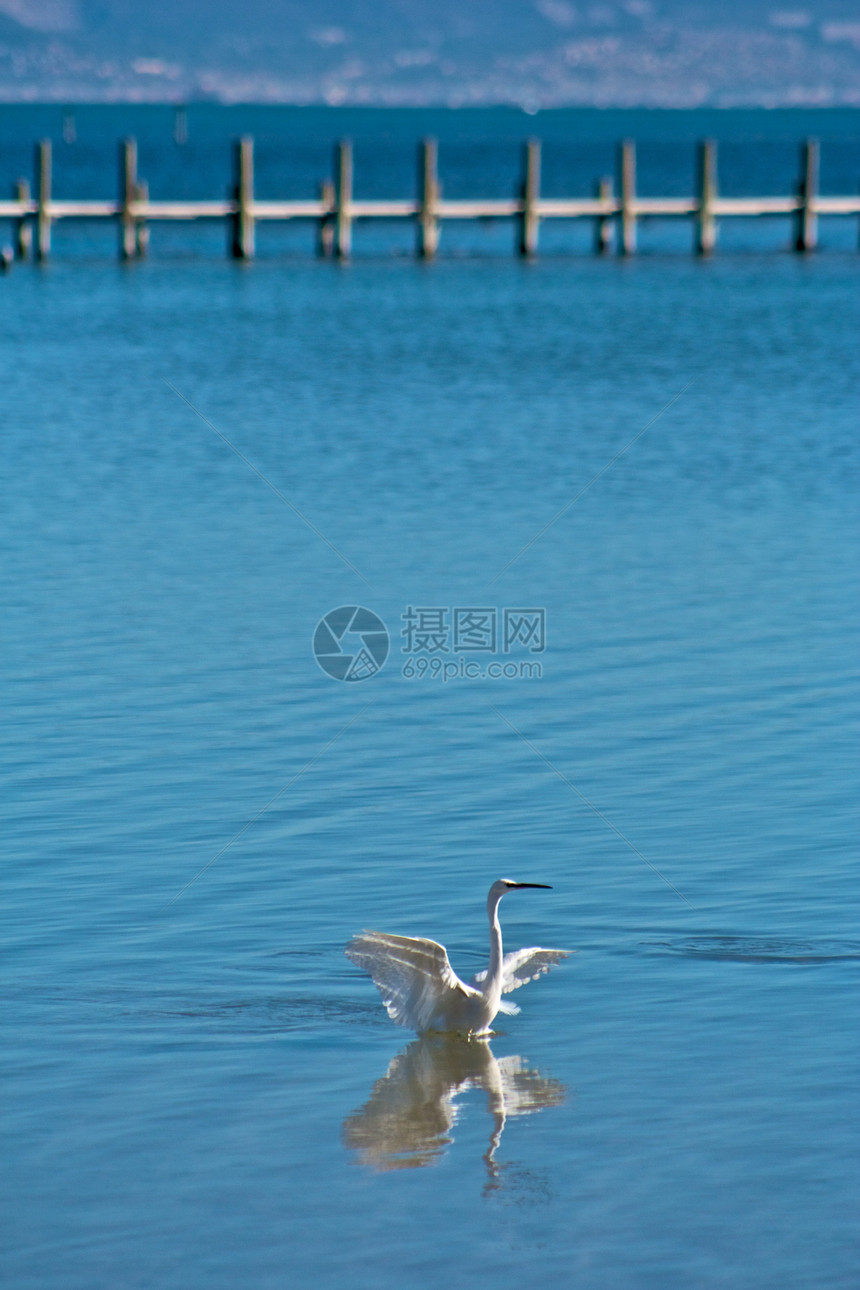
(494, 972)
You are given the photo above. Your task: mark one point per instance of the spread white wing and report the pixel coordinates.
(413, 975)
(522, 966)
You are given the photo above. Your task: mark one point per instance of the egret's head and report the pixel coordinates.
(503, 885)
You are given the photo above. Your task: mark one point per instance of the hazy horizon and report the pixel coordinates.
(531, 53)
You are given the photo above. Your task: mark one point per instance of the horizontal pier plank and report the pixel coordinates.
(755, 205)
(383, 209)
(576, 207)
(665, 206)
(837, 205)
(546, 208)
(81, 210)
(184, 210)
(311, 209)
(503, 207)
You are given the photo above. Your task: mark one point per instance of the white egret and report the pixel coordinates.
(421, 991)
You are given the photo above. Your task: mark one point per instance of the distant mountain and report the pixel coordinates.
(540, 53)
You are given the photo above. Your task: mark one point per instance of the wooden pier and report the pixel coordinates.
(615, 214)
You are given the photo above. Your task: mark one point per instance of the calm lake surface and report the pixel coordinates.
(199, 1089)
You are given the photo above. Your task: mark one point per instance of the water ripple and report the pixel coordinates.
(759, 949)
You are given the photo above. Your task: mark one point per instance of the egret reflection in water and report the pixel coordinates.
(408, 1121)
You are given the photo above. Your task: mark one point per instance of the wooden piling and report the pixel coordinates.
(242, 223)
(127, 199)
(141, 232)
(325, 225)
(706, 224)
(343, 200)
(43, 190)
(627, 211)
(23, 228)
(428, 198)
(806, 227)
(529, 222)
(603, 224)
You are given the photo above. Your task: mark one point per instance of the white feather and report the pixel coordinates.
(522, 966)
(413, 975)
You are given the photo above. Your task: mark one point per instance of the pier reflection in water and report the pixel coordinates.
(408, 1120)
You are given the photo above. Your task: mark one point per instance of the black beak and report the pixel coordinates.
(545, 885)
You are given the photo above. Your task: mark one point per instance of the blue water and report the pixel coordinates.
(200, 1090)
